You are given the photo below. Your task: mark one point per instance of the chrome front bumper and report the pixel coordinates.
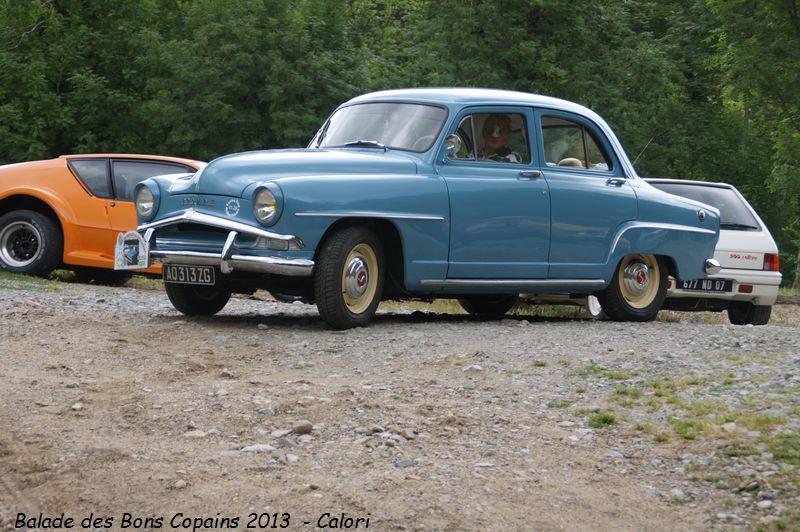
(226, 261)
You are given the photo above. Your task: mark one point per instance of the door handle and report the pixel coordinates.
(530, 174)
(615, 182)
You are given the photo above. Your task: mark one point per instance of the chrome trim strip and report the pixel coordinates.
(672, 227)
(276, 265)
(538, 283)
(366, 214)
(192, 215)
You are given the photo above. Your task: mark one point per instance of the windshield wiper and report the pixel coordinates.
(741, 227)
(370, 143)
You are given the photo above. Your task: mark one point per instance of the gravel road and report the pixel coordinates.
(116, 408)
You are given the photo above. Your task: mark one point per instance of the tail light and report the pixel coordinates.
(772, 262)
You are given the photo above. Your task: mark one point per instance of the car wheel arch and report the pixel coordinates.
(20, 202)
(392, 241)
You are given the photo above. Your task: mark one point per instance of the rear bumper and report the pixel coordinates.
(765, 287)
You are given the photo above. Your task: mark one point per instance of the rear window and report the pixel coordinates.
(733, 211)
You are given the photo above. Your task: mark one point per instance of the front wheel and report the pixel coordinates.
(194, 300)
(637, 290)
(746, 313)
(489, 305)
(348, 279)
(30, 243)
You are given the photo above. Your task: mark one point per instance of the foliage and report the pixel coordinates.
(699, 89)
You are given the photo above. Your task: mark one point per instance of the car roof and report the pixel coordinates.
(461, 95)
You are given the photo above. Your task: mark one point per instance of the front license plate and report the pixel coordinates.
(706, 285)
(179, 273)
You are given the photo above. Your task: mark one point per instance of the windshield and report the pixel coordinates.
(402, 126)
(733, 211)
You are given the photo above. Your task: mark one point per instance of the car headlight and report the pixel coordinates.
(265, 206)
(145, 202)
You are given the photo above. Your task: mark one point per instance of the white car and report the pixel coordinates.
(747, 285)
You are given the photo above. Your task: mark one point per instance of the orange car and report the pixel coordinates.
(68, 211)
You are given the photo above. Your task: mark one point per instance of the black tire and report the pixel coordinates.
(30, 243)
(746, 313)
(489, 305)
(348, 278)
(637, 290)
(101, 276)
(194, 300)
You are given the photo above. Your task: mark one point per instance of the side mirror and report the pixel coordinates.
(453, 145)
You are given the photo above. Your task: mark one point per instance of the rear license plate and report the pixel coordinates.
(179, 273)
(706, 285)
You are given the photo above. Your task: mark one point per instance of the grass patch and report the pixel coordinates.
(602, 420)
(539, 364)
(15, 281)
(689, 429)
(558, 404)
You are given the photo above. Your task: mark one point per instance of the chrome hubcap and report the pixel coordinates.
(356, 278)
(636, 278)
(20, 244)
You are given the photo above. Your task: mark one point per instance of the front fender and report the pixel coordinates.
(417, 205)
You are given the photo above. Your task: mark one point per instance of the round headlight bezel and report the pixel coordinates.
(267, 203)
(141, 202)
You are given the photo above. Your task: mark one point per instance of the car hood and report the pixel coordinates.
(232, 174)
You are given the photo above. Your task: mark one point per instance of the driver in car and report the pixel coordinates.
(496, 135)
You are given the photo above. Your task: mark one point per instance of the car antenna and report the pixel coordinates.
(645, 147)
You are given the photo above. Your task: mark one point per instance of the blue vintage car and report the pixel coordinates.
(473, 194)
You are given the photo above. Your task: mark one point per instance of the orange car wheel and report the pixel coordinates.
(30, 243)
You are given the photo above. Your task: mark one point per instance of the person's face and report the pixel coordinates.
(496, 133)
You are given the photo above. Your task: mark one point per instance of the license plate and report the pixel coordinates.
(706, 285)
(182, 274)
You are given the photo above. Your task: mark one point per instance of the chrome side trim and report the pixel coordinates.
(192, 215)
(367, 214)
(537, 283)
(671, 227)
(276, 265)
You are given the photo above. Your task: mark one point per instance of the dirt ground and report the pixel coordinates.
(116, 408)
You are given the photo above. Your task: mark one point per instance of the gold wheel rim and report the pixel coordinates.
(360, 278)
(638, 279)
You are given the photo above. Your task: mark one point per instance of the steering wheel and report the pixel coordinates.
(467, 141)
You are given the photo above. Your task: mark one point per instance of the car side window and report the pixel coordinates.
(492, 137)
(568, 143)
(94, 174)
(127, 174)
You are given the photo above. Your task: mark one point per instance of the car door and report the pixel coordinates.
(590, 196)
(499, 209)
(90, 244)
(125, 175)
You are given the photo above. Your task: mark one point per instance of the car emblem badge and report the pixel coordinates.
(701, 215)
(232, 207)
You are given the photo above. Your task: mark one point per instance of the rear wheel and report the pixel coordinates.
(348, 280)
(637, 290)
(489, 305)
(194, 300)
(30, 243)
(746, 313)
